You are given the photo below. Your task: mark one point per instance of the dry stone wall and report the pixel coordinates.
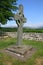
(29, 36)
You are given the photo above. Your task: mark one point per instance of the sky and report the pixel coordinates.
(33, 11)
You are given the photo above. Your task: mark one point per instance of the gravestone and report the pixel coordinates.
(19, 50)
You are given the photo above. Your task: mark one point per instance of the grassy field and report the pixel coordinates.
(8, 60)
(24, 30)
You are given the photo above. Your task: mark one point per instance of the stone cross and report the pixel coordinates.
(20, 19)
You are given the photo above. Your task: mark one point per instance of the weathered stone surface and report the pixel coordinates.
(20, 19)
(29, 36)
(22, 53)
(20, 50)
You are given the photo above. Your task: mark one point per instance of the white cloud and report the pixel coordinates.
(35, 25)
(10, 24)
(27, 24)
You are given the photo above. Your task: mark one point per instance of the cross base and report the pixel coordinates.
(23, 52)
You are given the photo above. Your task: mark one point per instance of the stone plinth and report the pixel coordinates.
(22, 53)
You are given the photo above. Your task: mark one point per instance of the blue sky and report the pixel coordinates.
(33, 11)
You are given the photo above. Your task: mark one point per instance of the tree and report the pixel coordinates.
(6, 8)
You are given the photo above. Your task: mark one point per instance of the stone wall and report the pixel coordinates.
(29, 36)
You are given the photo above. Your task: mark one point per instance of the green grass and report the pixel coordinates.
(6, 42)
(5, 59)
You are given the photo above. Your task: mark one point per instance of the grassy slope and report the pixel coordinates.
(8, 60)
